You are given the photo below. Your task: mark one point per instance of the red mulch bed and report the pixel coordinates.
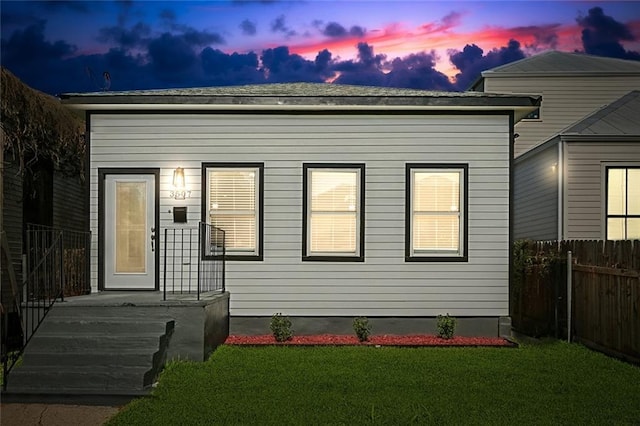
(377, 340)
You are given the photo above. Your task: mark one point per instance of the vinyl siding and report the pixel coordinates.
(535, 198)
(564, 101)
(585, 183)
(68, 203)
(384, 284)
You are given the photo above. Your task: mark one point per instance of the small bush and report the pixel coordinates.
(362, 328)
(446, 326)
(281, 327)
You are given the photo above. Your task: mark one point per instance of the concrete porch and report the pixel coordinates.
(200, 325)
(114, 344)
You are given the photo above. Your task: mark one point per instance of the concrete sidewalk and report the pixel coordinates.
(54, 414)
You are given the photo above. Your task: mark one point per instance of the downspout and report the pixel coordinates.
(561, 172)
(87, 199)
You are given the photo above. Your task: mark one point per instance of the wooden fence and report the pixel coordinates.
(605, 293)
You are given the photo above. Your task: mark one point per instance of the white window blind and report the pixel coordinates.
(232, 206)
(436, 211)
(334, 211)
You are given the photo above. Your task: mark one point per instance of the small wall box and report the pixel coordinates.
(180, 215)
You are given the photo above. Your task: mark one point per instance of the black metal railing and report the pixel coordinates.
(39, 291)
(194, 260)
(75, 246)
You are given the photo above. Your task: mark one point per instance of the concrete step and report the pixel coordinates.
(44, 379)
(112, 355)
(154, 356)
(59, 310)
(88, 343)
(131, 357)
(102, 327)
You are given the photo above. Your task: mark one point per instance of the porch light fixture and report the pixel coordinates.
(179, 192)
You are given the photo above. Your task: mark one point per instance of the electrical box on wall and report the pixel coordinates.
(180, 215)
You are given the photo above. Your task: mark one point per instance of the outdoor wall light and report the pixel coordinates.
(179, 188)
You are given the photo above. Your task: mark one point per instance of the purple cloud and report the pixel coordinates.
(279, 25)
(280, 66)
(248, 27)
(222, 69)
(602, 35)
(125, 37)
(171, 54)
(471, 61)
(415, 71)
(335, 30)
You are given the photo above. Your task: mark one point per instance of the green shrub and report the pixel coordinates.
(446, 326)
(362, 328)
(281, 327)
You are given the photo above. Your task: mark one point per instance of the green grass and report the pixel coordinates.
(552, 383)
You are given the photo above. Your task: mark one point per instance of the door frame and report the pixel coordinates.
(102, 174)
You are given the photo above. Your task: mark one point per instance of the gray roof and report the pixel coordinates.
(619, 118)
(299, 96)
(275, 89)
(566, 63)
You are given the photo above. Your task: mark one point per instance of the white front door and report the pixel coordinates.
(129, 233)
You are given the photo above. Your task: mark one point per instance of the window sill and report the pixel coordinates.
(333, 258)
(243, 257)
(436, 258)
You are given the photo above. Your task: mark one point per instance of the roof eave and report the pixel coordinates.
(600, 138)
(521, 104)
(572, 74)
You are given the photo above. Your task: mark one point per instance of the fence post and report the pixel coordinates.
(201, 231)
(164, 272)
(62, 278)
(87, 265)
(569, 287)
(224, 260)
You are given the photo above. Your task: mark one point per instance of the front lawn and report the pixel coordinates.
(552, 383)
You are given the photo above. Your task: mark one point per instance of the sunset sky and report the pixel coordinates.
(66, 46)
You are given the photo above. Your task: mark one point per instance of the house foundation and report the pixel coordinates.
(465, 326)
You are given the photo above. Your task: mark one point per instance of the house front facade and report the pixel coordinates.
(336, 201)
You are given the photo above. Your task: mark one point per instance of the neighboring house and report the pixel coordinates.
(42, 158)
(572, 86)
(337, 201)
(583, 183)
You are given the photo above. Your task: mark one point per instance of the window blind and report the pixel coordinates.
(232, 206)
(334, 211)
(436, 211)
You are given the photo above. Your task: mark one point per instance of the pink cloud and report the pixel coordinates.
(396, 40)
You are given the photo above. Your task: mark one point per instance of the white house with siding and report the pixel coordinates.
(337, 201)
(572, 86)
(583, 183)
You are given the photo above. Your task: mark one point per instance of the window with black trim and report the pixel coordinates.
(436, 212)
(333, 212)
(232, 198)
(623, 203)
